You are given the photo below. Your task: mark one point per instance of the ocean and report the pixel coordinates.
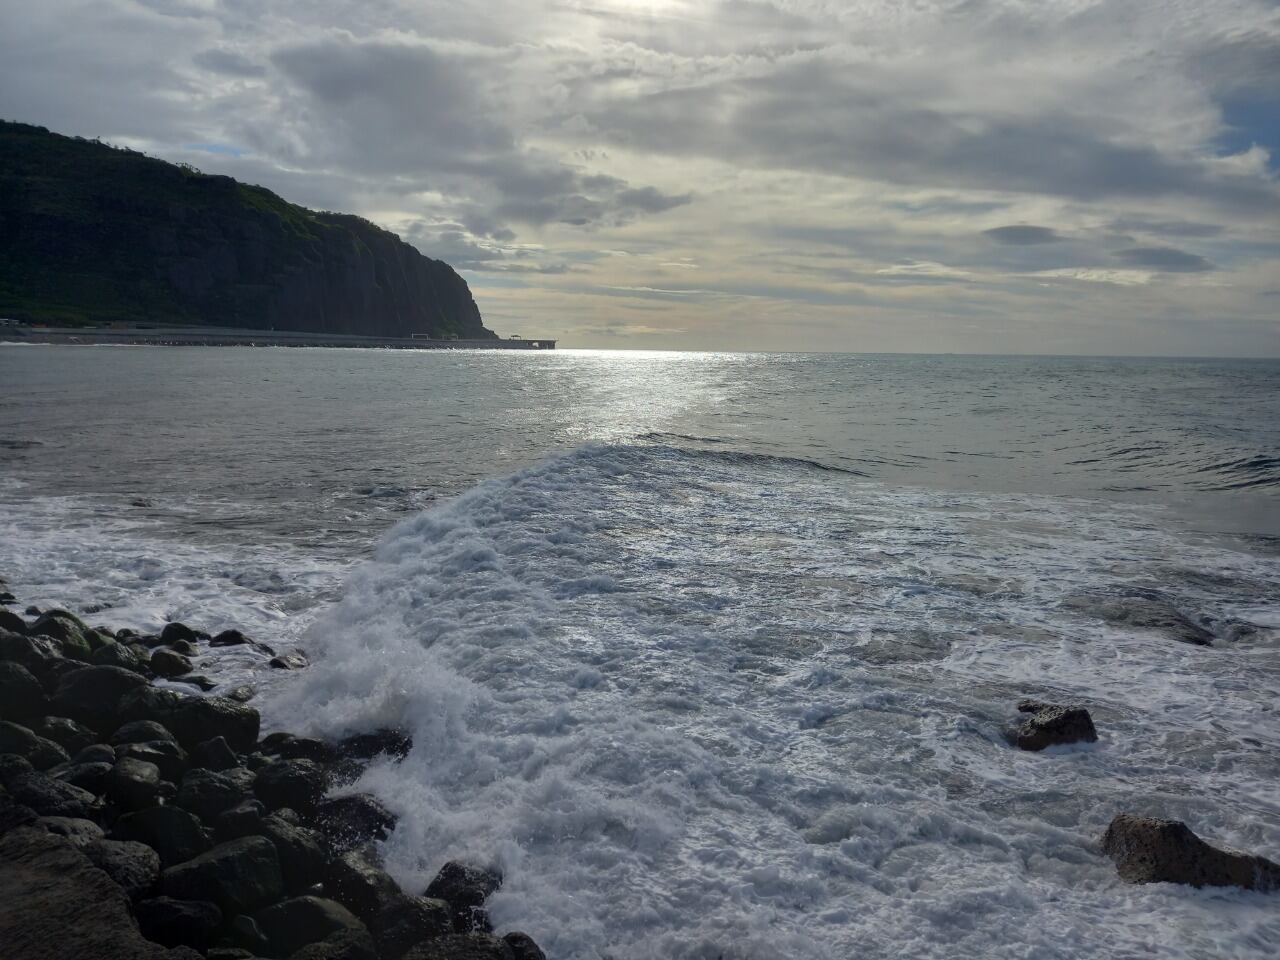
(713, 654)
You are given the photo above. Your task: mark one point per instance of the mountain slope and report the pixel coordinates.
(93, 232)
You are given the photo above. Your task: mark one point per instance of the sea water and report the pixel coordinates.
(713, 655)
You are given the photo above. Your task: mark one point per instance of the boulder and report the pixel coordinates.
(65, 732)
(21, 696)
(242, 820)
(465, 888)
(215, 754)
(115, 654)
(165, 754)
(207, 794)
(140, 731)
(354, 820)
(196, 719)
(134, 866)
(523, 947)
(298, 784)
(354, 880)
(462, 946)
(13, 766)
(133, 784)
(169, 663)
(404, 922)
(58, 906)
(77, 832)
(66, 628)
(185, 647)
(150, 703)
(245, 933)
(9, 620)
(291, 925)
(39, 752)
(95, 753)
(194, 923)
(301, 853)
(1147, 850)
(86, 776)
(175, 631)
(240, 694)
(229, 638)
(53, 798)
(306, 748)
(293, 660)
(14, 814)
(171, 832)
(1051, 724)
(34, 653)
(92, 695)
(344, 945)
(366, 746)
(239, 875)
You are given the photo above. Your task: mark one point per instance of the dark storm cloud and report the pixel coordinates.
(1164, 259)
(1023, 235)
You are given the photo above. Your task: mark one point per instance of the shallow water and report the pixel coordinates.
(714, 654)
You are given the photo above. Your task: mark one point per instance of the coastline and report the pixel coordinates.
(159, 335)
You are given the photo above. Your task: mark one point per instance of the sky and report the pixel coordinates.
(976, 176)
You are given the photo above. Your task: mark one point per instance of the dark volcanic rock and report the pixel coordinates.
(1146, 850)
(297, 784)
(245, 932)
(68, 629)
(523, 947)
(133, 784)
(291, 925)
(53, 798)
(165, 754)
(9, 620)
(242, 820)
(207, 794)
(238, 875)
(14, 814)
(293, 660)
(21, 696)
(404, 922)
(169, 663)
(354, 820)
(462, 946)
(173, 922)
(240, 694)
(79, 833)
(1050, 724)
(95, 753)
(39, 752)
(58, 906)
(196, 719)
(173, 632)
(86, 776)
(301, 852)
(229, 638)
(92, 695)
(71, 736)
(140, 731)
(115, 654)
(150, 703)
(366, 746)
(1142, 613)
(344, 945)
(132, 865)
(173, 833)
(37, 654)
(355, 881)
(215, 754)
(306, 748)
(465, 888)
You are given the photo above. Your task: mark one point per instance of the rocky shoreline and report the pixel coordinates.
(138, 822)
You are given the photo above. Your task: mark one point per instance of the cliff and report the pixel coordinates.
(90, 232)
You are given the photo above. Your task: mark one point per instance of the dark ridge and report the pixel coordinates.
(94, 233)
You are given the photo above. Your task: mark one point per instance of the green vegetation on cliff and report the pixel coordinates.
(90, 232)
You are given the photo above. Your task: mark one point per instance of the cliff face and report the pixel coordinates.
(91, 232)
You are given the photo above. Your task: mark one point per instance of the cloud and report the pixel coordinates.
(1022, 235)
(1164, 259)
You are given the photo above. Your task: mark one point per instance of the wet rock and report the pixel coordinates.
(58, 906)
(194, 923)
(1050, 724)
(228, 953)
(165, 754)
(366, 746)
(196, 719)
(135, 867)
(71, 736)
(66, 628)
(77, 832)
(53, 798)
(21, 696)
(462, 946)
(175, 631)
(133, 784)
(291, 925)
(199, 681)
(344, 945)
(114, 654)
(242, 820)
(95, 753)
(293, 660)
(86, 776)
(245, 932)
(1141, 613)
(92, 695)
(300, 851)
(1147, 850)
(307, 748)
(140, 731)
(39, 752)
(523, 947)
(150, 703)
(184, 647)
(173, 833)
(34, 653)
(229, 638)
(14, 814)
(239, 875)
(404, 922)
(465, 888)
(169, 663)
(215, 754)
(207, 794)
(358, 883)
(13, 766)
(354, 820)
(240, 694)
(298, 784)
(9, 620)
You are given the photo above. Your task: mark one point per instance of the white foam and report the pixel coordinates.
(699, 708)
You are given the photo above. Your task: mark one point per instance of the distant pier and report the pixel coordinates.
(169, 336)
